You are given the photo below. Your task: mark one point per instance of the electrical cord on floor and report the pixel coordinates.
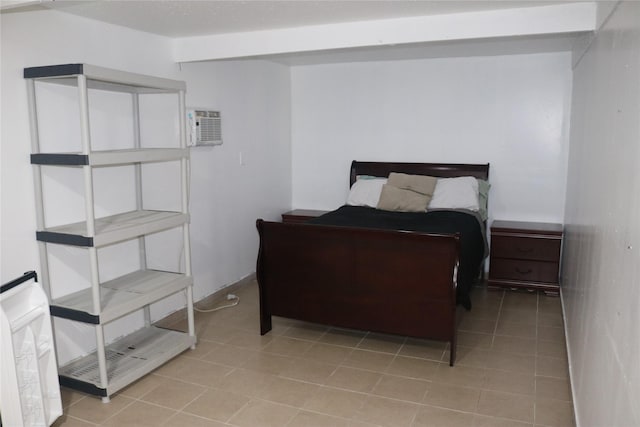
(229, 298)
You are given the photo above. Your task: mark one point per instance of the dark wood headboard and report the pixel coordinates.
(442, 170)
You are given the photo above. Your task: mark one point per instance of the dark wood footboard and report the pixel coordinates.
(375, 280)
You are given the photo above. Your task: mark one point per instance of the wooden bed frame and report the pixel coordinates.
(394, 282)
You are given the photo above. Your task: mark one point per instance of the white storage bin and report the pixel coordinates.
(29, 388)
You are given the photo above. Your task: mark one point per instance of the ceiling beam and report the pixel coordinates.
(555, 19)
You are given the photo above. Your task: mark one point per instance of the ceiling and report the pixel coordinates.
(185, 18)
(238, 19)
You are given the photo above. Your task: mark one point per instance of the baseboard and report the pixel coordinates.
(566, 342)
(209, 301)
(221, 294)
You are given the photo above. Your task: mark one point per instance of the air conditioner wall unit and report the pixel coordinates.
(204, 127)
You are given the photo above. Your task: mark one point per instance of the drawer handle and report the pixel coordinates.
(527, 271)
(524, 250)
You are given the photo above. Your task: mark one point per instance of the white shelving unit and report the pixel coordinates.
(114, 366)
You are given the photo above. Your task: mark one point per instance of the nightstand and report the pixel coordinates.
(526, 255)
(301, 215)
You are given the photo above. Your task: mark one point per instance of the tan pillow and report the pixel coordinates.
(398, 199)
(419, 183)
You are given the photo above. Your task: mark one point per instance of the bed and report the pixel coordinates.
(364, 268)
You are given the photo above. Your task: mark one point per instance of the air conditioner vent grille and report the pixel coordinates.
(205, 127)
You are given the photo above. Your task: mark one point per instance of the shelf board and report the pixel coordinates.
(114, 228)
(120, 296)
(104, 78)
(128, 359)
(110, 157)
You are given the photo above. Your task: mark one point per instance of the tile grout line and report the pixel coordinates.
(495, 328)
(535, 370)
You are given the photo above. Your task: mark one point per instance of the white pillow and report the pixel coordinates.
(455, 193)
(366, 192)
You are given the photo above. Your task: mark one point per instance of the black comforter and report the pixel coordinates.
(472, 240)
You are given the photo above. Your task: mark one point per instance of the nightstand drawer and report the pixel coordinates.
(524, 270)
(541, 249)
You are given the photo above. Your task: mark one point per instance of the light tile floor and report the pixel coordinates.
(511, 370)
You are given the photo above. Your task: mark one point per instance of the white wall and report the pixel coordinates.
(226, 197)
(601, 287)
(41, 38)
(510, 111)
